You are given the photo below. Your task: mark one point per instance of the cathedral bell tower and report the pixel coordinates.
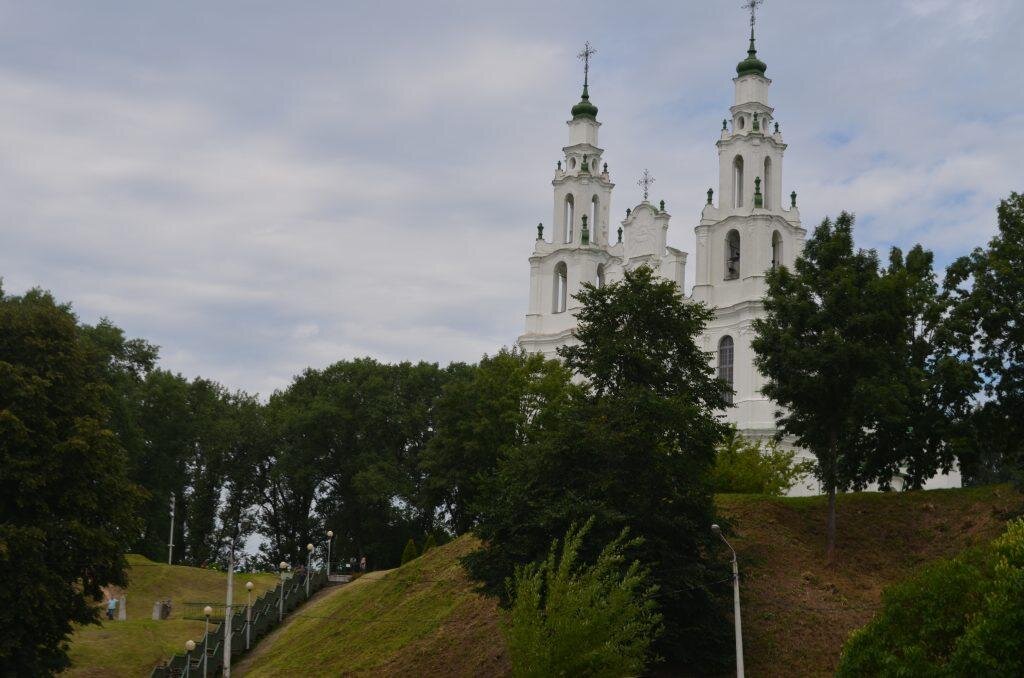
(578, 247)
(752, 229)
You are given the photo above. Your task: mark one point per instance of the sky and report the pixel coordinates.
(261, 187)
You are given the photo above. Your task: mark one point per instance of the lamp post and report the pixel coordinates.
(280, 603)
(229, 611)
(189, 646)
(206, 639)
(735, 602)
(309, 565)
(330, 537)
(248, 614)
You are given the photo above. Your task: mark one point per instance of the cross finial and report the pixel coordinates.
(645, 183)
(752, 6)
(587, 52)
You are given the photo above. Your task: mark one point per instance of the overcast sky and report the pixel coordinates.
(258, 187)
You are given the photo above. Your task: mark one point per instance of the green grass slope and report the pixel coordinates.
(135, 646)
(798, 611)
(420, 619)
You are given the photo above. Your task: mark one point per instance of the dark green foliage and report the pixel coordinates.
(633, 448)
(752, 467)
(67, 509)
(429, 543)
(484, 412)
(986, 290)
(961, 617)
(410, 552)
(851, 352)
(570, 618)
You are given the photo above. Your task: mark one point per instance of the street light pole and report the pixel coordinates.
(309, 565)
(206, 639)
(280, 603)
(227, 612)
(735, 602)
(248, 615)
(170, 542)
(330, 537)
(189, 646)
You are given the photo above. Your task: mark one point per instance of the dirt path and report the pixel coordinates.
(247, 662)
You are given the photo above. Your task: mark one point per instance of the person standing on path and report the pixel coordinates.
(111, 606)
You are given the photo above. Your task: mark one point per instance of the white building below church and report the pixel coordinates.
(750, 225)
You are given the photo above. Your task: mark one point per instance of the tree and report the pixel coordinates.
(752, 467)
(632, 447)
(410, 552)
(985, 290)
(957, 617)
(430, 543)
(67, 510)
(569, 618)
(832, 346)
(482, 413)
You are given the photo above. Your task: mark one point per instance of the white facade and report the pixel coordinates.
(753, 226)
(752, 214)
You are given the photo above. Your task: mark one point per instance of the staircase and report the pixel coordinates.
(267, 612)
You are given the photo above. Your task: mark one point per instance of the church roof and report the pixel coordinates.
(751, 65)
(584, 107)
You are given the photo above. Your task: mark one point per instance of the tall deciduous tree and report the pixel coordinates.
(831, 346)
(986, 289)
(632, 448)
(67, 509)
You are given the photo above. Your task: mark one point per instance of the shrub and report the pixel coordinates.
(410, 552)
(955, 618)
(571, 619)
(429, 543)
(751, 467)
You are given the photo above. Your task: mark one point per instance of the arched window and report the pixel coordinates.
(776, 249)
(569, 217)
(725, 362)
(767, 188)
(732, 255)
(737, 181)
(561, 288)
(594, 207)
(599, 278)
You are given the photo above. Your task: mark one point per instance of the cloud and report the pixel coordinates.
(260, 188)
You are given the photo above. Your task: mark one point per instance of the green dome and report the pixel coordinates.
(751, 65)
(584, 107)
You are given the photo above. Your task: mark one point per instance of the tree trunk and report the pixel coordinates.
(831, 530)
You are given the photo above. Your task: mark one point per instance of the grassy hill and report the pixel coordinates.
(135, 646)
(424, 619)
(420, 619)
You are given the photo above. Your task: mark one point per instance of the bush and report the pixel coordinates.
(410, 552)
(751, 467)
(570, 619)
(955, 618)
(429, 543)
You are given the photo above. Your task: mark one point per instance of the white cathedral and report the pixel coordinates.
(750, 228)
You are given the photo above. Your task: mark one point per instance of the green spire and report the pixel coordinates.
(584, 108)
(751, 65)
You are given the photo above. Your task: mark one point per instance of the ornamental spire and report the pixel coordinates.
(584, 107)
(752, 65)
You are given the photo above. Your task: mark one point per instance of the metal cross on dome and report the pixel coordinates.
(645, 183)
(588, 52)
(752, 5)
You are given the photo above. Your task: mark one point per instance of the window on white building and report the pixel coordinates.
(599, 278)
(725, 364)
(561, 288)
(737, 181)
(766, 190)
(594, 206)
(776, 249)
(569, 217)
(732, 255)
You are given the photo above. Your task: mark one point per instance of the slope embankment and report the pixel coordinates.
(421, 619)
(133, 647)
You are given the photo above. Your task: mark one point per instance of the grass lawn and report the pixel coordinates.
(135, 646)
(420, 619)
